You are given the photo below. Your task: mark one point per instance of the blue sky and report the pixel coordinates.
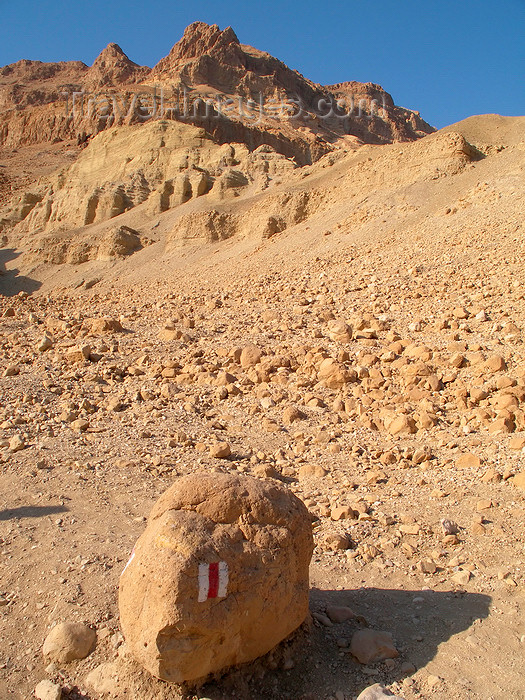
(447, 59)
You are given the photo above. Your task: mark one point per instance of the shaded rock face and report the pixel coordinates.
(219, 577)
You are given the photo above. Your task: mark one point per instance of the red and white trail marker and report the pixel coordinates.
(213, 580)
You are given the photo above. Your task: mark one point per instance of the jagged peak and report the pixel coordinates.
(200, 38)
(112, 54)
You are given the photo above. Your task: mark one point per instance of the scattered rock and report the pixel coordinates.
(221, 450)
(16, 443)
(44, 344)
(292, 414)
(250, 356)
(68, 641)
(311, 470)
(519, 480)
(449, 527)
(339, 614)
(372, 645)
(468, 461)
(46, 690)
(461, 577)
(377, 692)
(103, 679)
(105, 325)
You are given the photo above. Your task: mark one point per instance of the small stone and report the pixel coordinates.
(322, 619)
(11, 371)
(493, 364)
(451, 540)
(402, 424)
(16, 443)
(477, 528)
(433, 681)
(517, 443)
(338, 613)
(468, 461)
(266, 471)
(311, 470)
(221, 450)
(483, 504)
(426, 566)
(491, 476)
(339, 331)
(80, 424)
(68, 641)
(461, 577)
(369, 645)
(250, 356)
(334, 541)
(407, 668)
(292, 414)
(45, 344)
(103, 679)
(46, 690)
(449, 527)
(519, 480)
(106, 325)
(79, 353)
(460, 312)
(377, 692)
(410, 529)
(343, 513)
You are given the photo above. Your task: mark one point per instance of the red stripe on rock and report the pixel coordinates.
(214, 580)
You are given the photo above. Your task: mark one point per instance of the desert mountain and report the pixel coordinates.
(205, 58)
(332, 305)
(213, 115)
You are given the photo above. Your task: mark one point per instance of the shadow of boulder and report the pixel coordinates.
(30, 512)
(315, 662)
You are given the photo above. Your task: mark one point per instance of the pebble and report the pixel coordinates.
(377, 692)
(221, 450)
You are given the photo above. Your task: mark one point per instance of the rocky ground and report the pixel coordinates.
(380, 377)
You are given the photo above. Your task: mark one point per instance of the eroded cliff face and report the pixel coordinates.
(214, 118)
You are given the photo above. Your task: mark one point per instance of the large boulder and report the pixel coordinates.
(218, 578)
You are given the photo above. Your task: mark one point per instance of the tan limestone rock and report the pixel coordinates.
(221, 450)
(250, 356)
(219, 577)
(68, 641)
(468, 461)
(519, 480)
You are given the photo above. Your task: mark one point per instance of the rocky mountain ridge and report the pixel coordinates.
(37, 97)
(213, 116)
